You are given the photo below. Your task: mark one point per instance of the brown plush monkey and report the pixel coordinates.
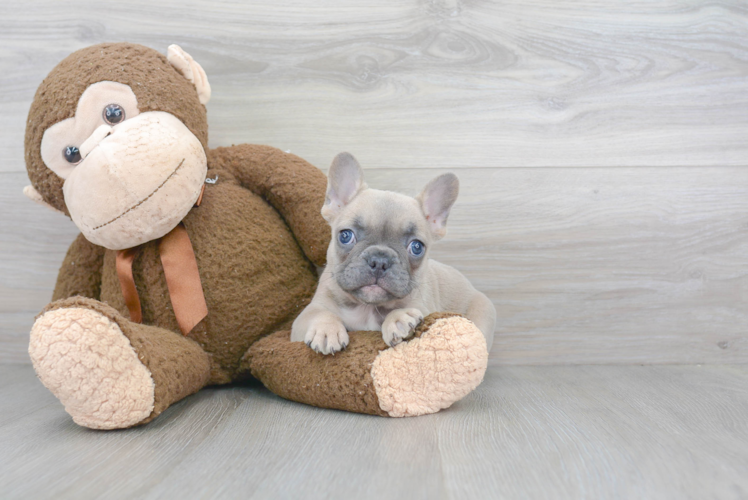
(189, 256)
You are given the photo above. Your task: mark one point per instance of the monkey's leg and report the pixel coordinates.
(445, 361)
(109, 372)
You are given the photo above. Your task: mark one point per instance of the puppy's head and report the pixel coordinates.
(380, 239)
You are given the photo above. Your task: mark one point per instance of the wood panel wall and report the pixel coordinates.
(602, 148)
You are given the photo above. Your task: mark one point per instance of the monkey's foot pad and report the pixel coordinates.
(89, 365)
(429, 373)
(443, 363)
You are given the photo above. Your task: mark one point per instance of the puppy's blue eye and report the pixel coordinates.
(416, 248)
(346, 237)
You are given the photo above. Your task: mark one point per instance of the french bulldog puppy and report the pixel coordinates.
(378, 274)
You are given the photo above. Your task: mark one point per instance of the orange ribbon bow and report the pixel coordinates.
(182, 278)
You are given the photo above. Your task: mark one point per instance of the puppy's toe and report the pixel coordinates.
(414, 317)
(401, 330)
(399, 325)
(327, 338)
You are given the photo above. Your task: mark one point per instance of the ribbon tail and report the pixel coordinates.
(124, 262)
(183, 278)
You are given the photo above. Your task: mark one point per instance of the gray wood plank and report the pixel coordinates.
(442, 83)
(33, 242)
(612, 265)
(585, 267)
(526, 432)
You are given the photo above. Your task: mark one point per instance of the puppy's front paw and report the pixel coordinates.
(326, 336)
(399, 325)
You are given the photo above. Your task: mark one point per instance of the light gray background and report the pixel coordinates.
(602, 148)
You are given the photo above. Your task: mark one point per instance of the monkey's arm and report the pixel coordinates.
(80, 273)
(291, 185)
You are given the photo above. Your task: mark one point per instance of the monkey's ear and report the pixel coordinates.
(191, 70)
(35, 196)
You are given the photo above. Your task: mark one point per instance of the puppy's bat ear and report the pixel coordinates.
(436, 201)
(345, 180)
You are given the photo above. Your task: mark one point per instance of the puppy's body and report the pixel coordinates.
(378, 274)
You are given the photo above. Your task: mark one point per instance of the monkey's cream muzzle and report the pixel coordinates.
(137, 180)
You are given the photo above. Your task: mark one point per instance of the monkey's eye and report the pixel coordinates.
(346, 237)
(113, 114)
(416, 248)
(71, 154)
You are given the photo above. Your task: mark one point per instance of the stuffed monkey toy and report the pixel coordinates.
(193, 262)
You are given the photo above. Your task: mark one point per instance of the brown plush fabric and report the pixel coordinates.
(255, 276)
(80, 273)
(178, 365)
(156, 84)
(342, 382)
(282, 179)
(255, 269)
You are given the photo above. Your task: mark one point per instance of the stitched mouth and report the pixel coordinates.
(144, 199)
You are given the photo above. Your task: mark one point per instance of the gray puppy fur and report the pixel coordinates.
(378, 274)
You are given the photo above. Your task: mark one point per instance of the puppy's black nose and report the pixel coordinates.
(379, 263)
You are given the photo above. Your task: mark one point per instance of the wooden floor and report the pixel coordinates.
(527, 432)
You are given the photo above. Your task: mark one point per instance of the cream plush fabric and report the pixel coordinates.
(87, 362)
(429, 373)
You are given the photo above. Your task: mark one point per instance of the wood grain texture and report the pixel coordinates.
(33, 243)
(428, 83)
(609, 265)
(526, 432)
(626, 260)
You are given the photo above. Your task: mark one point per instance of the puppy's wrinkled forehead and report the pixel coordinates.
(383, 214)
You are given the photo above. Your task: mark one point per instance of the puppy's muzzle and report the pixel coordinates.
(379, 260)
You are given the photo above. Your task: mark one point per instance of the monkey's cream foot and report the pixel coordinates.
(445, 361)
(109, 372)
(443, 364)
(83, 357)
(326, 336)
(399, 325)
